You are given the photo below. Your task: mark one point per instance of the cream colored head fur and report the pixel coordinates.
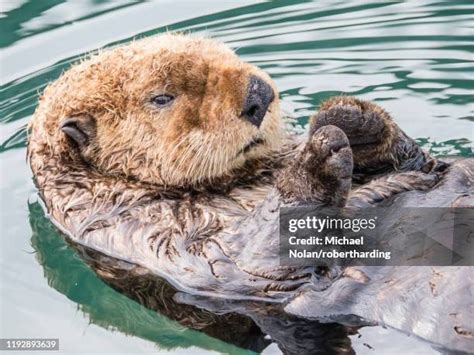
(199, 136)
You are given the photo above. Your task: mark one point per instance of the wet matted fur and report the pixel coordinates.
(191, 191)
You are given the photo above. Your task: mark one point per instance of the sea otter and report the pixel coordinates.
(171, 153)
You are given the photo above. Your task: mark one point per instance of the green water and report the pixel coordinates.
(415, 57)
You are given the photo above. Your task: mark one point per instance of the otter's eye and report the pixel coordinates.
(162, 100)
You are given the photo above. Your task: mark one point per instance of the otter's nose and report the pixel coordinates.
(259, 97)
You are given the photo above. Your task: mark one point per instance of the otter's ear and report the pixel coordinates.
(80, 129)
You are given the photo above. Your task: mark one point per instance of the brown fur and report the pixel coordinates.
(196, 139)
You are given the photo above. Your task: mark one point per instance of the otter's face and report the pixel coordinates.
(173, 110)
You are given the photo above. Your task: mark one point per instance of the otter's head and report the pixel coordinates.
(173, 110)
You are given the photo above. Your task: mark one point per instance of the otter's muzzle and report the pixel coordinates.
(259, 96)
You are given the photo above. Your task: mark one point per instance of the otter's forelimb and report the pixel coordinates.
(321, 172)
(378, 145)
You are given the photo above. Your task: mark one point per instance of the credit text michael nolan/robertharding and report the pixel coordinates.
(334, 254)
(312, 236)
(327, 241)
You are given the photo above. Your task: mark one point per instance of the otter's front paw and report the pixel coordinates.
(322, 172)
(377, 143)
(328, 154)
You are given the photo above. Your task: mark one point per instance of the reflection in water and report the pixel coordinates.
(246, 329)
(67, 273)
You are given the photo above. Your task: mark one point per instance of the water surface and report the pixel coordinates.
(415, 58)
